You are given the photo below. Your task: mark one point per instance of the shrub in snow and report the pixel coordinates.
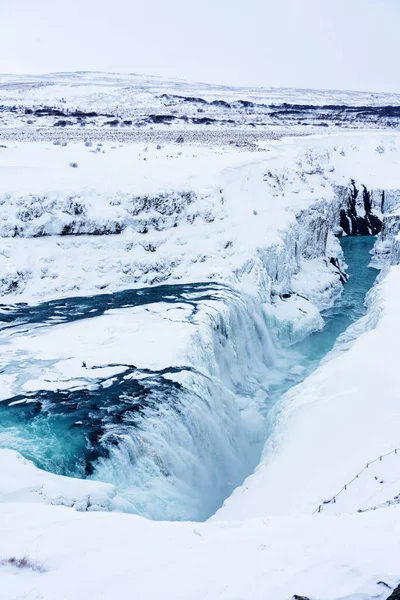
(313, 161)
(22, 563)
(13, 282)
(380, 149)
(149, 247)
(74, 206)
(32, 211)
(88, 144)
(62, 123)
(180, 139)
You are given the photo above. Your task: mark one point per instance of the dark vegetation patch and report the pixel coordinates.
(23, 562)
(190, 99)
(62, 123)
(220, 103)
(112, 123)
(162, 119)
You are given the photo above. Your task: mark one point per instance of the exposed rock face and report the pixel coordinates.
(395, 595)
(358, 218)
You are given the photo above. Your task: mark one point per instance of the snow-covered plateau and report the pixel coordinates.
(196, 402)
(135, 107)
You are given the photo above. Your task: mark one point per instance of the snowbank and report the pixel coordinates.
(21, 481)
(108, 555)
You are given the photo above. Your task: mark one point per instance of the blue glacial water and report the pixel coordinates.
(174, 451)
(347, 309)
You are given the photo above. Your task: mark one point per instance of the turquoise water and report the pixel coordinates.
(304, 357)
(349, 307)
(173, 452)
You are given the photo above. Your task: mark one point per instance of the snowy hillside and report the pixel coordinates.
(129, 106)
(191, 384)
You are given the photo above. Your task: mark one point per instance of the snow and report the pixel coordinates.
(44, 168)
(252, 207)
(293, 317)
(110, 556)
(93, 88)
(261, 222)
(223, 203)
(136, 336)
(119, 106)
(21, 481)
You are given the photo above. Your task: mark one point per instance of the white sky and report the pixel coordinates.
(344, 44)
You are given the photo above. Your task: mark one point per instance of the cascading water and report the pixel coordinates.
(176, 441)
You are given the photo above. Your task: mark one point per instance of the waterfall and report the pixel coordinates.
(202, 429)
(175, 441)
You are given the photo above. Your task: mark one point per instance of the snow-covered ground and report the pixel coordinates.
(128, 106)
(80, 219)
(165, 202)
(76, 556)
(100, 90)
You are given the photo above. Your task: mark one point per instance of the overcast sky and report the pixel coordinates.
(344, 44)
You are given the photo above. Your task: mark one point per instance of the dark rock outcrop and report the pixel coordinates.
(351, 221)
(395, 595)
(335, 262)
